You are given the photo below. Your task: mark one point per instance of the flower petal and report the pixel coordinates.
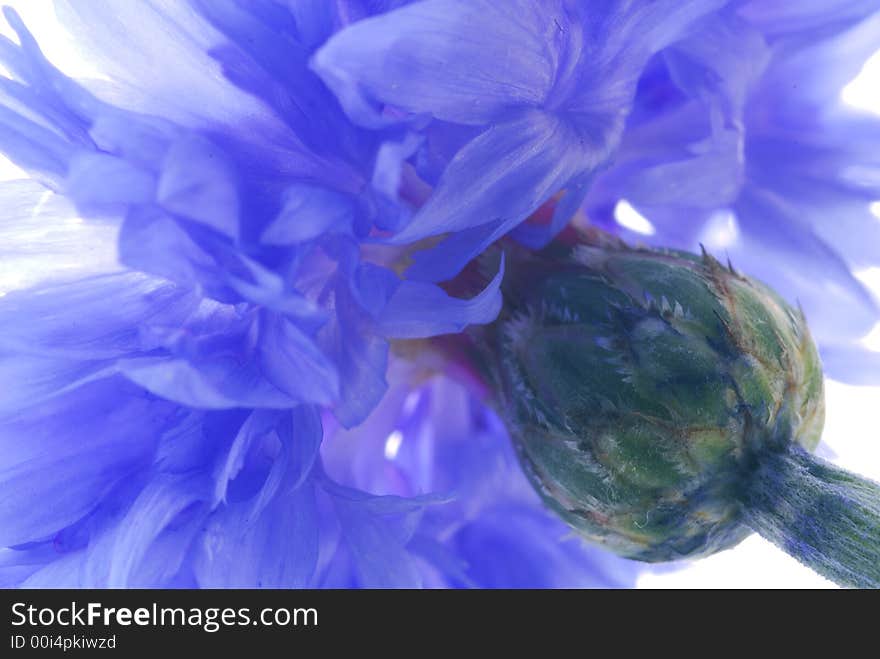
(88, 176)
(258, 424)
(467, 61)
(361, 356)
(377, 530)
(43, 240)
(199, 183)
(152, 241)
(776, 248)
(309, 211)
(500, 178)
(92, 318)
(295, 364)
(155, 509)
(138, 63)
(851, 363)
(419, 310)
(279, 549)
(48, 484)
(212, 384)
(510, 547)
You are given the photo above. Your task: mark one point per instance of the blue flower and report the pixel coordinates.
(269, 230)
(223, 237)
(245, 302)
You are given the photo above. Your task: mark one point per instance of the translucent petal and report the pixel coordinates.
(851, 363)
(159, 504)
(361, 356)
(377, 530)
(295, 364)
(199, 183)
(89, 173)
(269, 59)
(258, 424)
(419, 310)
(138, 63)
(505, 548)
(43, 240)
(81, 448)
(777, 249)
(210, 384)
(463, 61)
(309, 211)
(778, 17)
(503, 175)
(278, 549)
(91, 318)
(152, 241)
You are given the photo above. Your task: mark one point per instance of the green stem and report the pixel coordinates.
(827, 518)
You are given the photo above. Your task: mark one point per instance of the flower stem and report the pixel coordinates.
(827, 518)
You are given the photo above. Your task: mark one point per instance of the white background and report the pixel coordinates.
(852, 430)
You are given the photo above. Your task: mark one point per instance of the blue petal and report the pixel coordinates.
(46, 92)
(720, 62)
(268, 289)
(447, 258)
(139, 139)
(33, 147)
(309, 211)
(463, 61)
(212, 384)
(361, 356)
(419, 310)
(16, 565)
(157, 507)
(373, 286)
(822, 66)
(152, 241)
(821, 16)
(314, 21)
(64, 572)
(270, 540)
(291, 448)
(538, 236)
(502, 176)
(305, 436)
(138, 63)
(270, 60)
(88, 176)
(81, 448)
(29, 380)
(377, 530)
(850, 363)
(295, 364)
(258, 424)
(621, 36)
(776, 248)
(199, 183)
(390, 159)
(42, 240)
(710, 175)
(91, 318)
(508, 547)
(223, 356)
(278, 549)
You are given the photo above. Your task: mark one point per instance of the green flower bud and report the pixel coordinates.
(647, 391)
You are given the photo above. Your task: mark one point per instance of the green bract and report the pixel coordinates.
(642, 389)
